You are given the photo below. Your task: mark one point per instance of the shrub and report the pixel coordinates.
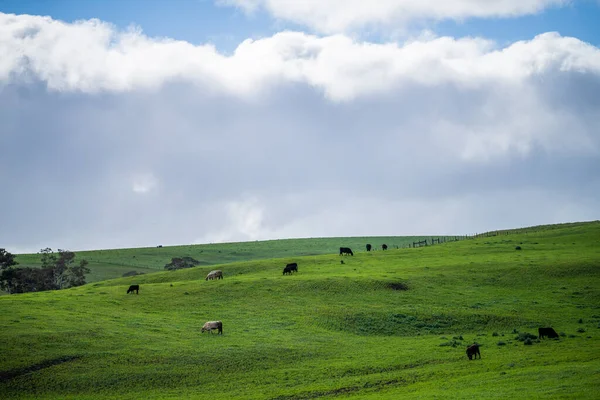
(180, 263)
(132, 273)
(495, 334)
(452, 343)
(523, 336)
(527, 342)
(581, 330)
(501, 343)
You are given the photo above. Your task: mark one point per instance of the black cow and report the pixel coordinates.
(384, 247)
(134, 288)
(473, 351)
(290, 268)
(346, 250)
(547, 332)
(368, 247)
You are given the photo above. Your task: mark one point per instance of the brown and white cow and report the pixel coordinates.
(210, 325)
(216, 274)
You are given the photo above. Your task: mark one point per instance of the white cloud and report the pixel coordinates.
(142, 141)
(144, 183)
(91, 56)
(332, 16)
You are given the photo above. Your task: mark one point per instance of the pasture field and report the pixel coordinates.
(383, 325)
(109, 264)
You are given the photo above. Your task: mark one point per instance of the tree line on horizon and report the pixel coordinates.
(58, 271)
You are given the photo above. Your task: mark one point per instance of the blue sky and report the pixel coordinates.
(339, 118)
(202, 21)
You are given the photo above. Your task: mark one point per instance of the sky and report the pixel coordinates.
(135, 123)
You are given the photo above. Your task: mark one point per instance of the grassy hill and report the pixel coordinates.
(109, 264)
(383, 325)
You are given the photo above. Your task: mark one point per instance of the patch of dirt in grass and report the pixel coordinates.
(14, 373)
(400, 324)
(397, 286)
(376, 386)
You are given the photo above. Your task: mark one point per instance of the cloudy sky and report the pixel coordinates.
(135, 123)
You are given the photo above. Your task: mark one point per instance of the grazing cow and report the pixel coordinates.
(346, 250)
(384, 246)
(210, 325)
(290, 268)
(216, 274)
(368, 247)
(473, 351)
(547, 332)
(134, 288)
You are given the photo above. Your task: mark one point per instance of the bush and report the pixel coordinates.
(181, 263)
(501, 343)
(527, 342)
(523, 336)
(132, 273)
(581, 330)
(495, 334)
(452, 343)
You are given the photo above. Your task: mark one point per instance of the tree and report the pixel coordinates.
(57, 272)
(64, 274)
(6, 259)
(181, 262)
(7, 272)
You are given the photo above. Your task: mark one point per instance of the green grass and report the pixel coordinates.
(330, 331)
(109, 264)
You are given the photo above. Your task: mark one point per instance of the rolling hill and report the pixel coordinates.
(383, 325)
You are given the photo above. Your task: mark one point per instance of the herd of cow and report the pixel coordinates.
(472, 350)
(348, 251)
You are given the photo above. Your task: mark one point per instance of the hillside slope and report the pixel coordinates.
(389, 324)
(113, 263)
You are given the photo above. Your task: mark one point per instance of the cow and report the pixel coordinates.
(518, 248)
(346, 250)
(384, 246)
(216, 274)
(547, 332)
(473, 351)
(134, 288)
(210, 325)
(290, 268)
(368, 247)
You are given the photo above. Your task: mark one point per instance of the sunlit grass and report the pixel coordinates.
(331, 330)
